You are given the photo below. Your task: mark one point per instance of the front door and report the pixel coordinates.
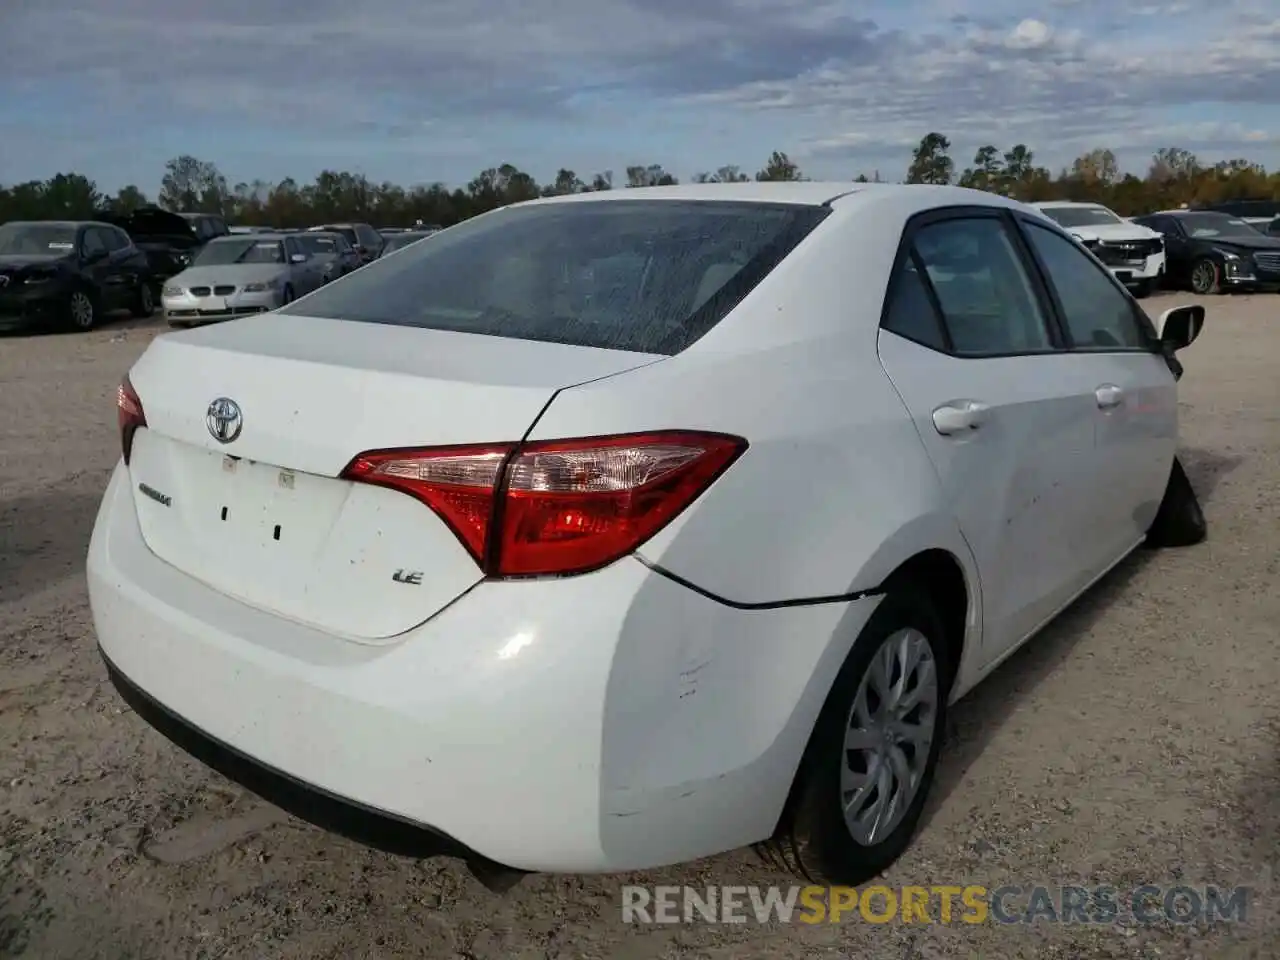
(1136, 423)
(1005, 413)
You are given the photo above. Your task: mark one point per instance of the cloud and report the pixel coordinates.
(835, 82)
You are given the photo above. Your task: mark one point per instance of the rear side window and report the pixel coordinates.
(116, 239)
(988, 300)
(911, 313)
(650, 276)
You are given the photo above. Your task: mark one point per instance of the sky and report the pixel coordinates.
(418, 91)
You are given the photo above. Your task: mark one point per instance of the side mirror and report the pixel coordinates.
(1178, 327)
(298, 258)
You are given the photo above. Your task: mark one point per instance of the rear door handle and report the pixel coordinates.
(959, 417)
(1109, 396)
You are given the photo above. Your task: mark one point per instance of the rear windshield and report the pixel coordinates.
(650, 276)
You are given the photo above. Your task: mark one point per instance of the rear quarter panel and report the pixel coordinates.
(836, 489)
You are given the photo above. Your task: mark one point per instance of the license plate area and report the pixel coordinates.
(259, 506)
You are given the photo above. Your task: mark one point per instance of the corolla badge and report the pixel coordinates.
(224, 420)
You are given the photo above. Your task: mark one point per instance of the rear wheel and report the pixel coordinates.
(82, 312)
(1180, 520)
(144, 303)
(1205, 277)
(870, 762)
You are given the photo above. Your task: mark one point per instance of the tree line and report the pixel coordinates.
(1174, 177)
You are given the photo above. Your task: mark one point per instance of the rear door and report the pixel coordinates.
(1136, 424)
(1006, 414)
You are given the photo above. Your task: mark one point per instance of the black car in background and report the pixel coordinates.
(1258, 213)
(170, 240)
(367, 241)
(63, 273)
(1210, 252)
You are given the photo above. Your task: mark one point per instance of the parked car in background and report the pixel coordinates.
(207, 226)
(385, 231)
(331, 250)
(69, 274)
(1258, 213)
(673, 524)
(1134, 254)
(398, 241)
(240, 276)
(368, 242)
(169, 240)
(1212, 252)
(247, 230)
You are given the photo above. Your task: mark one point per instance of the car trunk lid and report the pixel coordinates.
(266, 519)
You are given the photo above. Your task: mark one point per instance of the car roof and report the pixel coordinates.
(904, 198)
(1045, 204)
(55, 223)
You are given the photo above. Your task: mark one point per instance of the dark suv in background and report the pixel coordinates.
(170, 240)
(367, 241)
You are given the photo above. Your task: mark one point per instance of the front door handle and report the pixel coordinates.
(959, 417)
(1109, 396)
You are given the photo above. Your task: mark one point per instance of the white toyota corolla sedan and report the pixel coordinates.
(616, 530)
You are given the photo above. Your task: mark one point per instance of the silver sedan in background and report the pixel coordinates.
(238, 276)
(332, 251)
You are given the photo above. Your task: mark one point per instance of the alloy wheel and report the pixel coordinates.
(81, 310)
(888, 736)
(1203, 277)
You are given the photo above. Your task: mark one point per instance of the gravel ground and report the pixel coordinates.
(1134, 741)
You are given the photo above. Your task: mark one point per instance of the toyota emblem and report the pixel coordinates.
(224, 420)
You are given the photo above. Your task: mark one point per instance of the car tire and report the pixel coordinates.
(144, 303)
(1180, 520)
(813, 839)
(81, 310)
(1206, 277)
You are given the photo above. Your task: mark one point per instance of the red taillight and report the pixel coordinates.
(130, 414)
(555, 507)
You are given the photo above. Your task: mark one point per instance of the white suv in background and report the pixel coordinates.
(1132, 252)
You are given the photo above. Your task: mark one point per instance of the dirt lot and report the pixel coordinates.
(1134, 742)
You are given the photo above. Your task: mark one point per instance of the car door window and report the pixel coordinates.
(291, 248)
(988, 300)
(910, 312)
(1098, 314)
(92, 244)
(119, 239)
(369, 237)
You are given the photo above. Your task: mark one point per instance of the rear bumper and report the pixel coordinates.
(613, 721)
